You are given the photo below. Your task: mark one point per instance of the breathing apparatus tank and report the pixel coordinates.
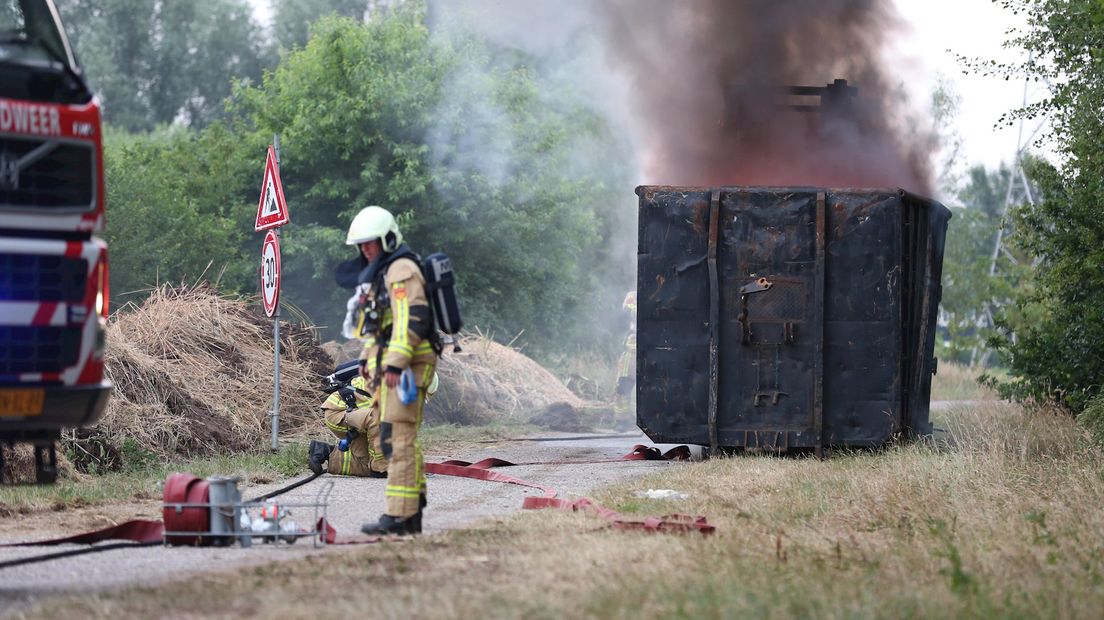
(440, 285)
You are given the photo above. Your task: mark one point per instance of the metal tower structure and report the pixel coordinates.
(1018, 192)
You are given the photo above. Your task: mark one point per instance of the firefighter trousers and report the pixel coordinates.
(399, 425)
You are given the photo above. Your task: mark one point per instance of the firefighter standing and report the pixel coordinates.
(624, 403)
(397, 326)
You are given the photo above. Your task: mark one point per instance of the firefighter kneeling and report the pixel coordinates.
(349, 414)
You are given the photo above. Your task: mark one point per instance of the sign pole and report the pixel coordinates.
(276, 340)
(272, 213)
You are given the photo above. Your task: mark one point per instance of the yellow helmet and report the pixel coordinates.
(375, 223)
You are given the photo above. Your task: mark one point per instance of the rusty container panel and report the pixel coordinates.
(786, 317)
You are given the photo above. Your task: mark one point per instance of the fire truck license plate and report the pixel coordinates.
(22, 402)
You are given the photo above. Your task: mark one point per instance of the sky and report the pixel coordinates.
(972, 28)
(938, 29)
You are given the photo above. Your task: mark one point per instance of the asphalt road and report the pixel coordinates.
(453, 503)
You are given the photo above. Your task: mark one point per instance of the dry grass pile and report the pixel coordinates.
(485, 382)
(488, 381)
(19, 465)
(193, 376)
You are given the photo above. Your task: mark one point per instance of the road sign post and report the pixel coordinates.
(271, 214)
(270, 299)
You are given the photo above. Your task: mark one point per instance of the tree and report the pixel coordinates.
(1058, 353)
(292, 19)
(977, 284)
(456, 139)
(174, 199)
(985, 191)
(156, 62)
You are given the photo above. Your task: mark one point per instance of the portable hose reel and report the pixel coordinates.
(186, 509)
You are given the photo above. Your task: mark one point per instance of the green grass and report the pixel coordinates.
(144, 471)
(140, 480)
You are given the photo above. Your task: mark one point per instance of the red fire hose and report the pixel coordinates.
(666, 523)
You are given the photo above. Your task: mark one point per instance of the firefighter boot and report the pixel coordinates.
(399, 526)
(422, 502)
(317, 455)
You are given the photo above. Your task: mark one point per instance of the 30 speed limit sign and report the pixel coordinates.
(270, 273)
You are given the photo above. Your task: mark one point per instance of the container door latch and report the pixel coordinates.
(758, 286)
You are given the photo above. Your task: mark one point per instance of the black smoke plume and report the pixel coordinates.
(708, 92)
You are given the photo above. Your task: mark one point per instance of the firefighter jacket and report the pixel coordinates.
(403, 336)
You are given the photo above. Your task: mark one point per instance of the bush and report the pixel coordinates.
(1054, 338)
(1092, 418)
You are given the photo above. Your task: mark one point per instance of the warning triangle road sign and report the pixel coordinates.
(272, 210)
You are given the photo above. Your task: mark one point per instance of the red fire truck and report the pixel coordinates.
(53, 269)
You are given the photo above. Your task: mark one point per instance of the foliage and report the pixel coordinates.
(172, 195)
(985, 191)
(156, 62)
(974, 281)
(475, 147)
(292, 19)
(1092, 418)
(454, 135)
(1058, 351)
(943, 109)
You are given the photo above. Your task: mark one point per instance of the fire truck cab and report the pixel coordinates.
(53, 269)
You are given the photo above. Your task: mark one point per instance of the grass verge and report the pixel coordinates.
(999, 517)
(960, 382)
(140, 480)
(442, 437)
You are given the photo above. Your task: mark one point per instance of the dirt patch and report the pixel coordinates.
(76, 516)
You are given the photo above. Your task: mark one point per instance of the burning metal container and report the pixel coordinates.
(783, 318)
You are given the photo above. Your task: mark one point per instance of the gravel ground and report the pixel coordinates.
(453, 503)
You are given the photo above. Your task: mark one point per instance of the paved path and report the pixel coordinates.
(454, 503)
